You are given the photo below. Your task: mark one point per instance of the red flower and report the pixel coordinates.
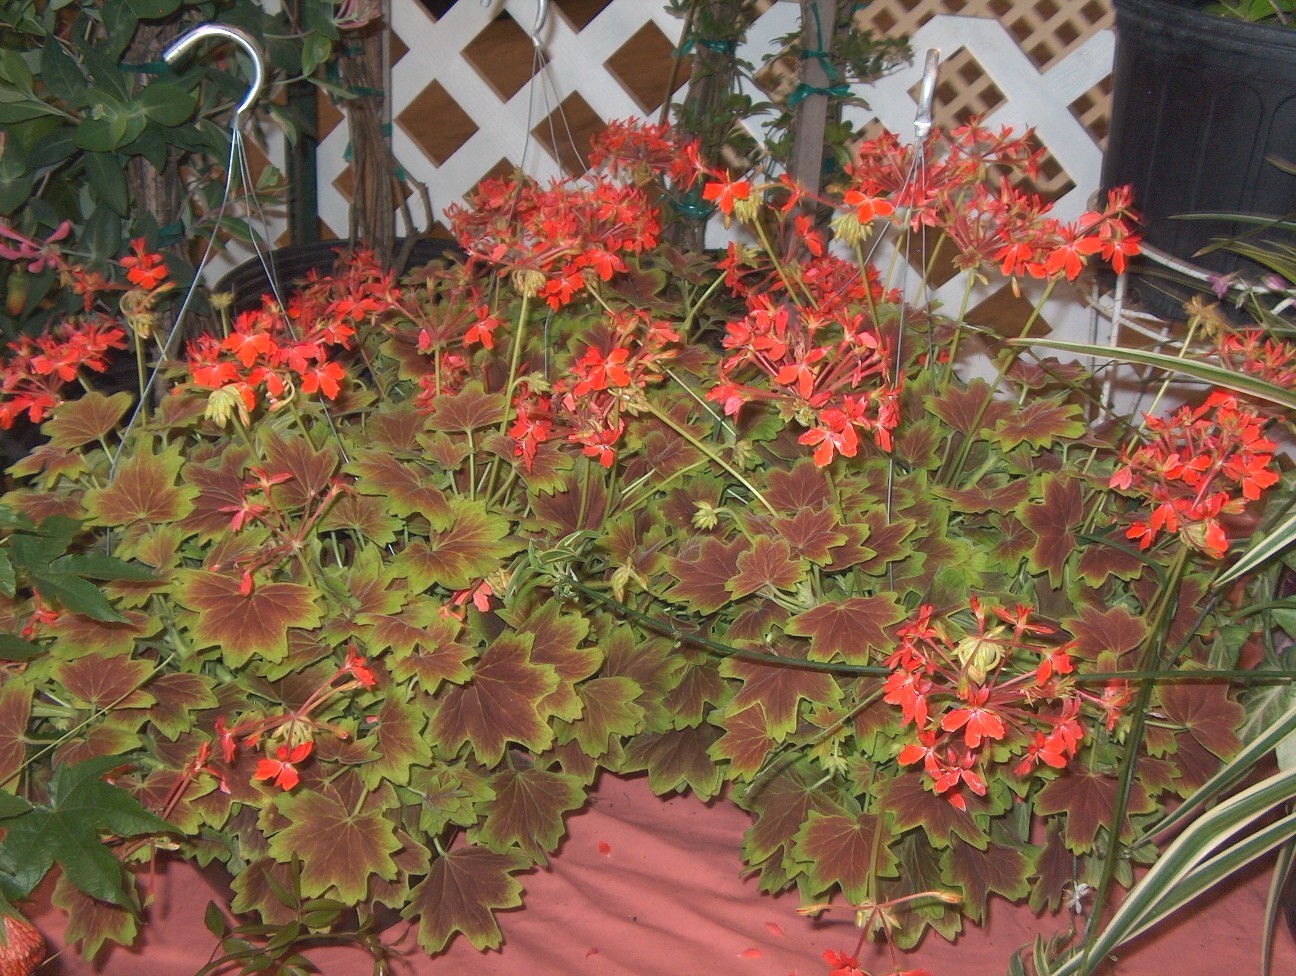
(282, 769)
(724, 192)
(842, 964)
(146, 270)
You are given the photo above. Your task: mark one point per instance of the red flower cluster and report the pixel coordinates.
(272, 351)
(1197, 466)
(555, 241)
(944, 184)
(1253, 352)
(998, 694)
(822, 360)
(37, 371)
(602, 385)
(640, 152)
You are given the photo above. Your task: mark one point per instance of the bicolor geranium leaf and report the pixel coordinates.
(767, 563)
(106, 680)
(1087, 798)
(651, 664)
(527, 811)
(1055, 869)
(704, 570)
(1116, 631)
(668, 454)
(854, 630)
(499, 705)
(912, 805)
(308, 471)
(407, 490)
(46, 464)
(885, 542)
(698, 688)
(1000, 869)
(779, 689)
(812, 534)
(746, 742)
(1110, 556)
(803, 486)
(1206, 712)
(365, 515)
(965, 408)
(677, 760)
(558, 641)
(143, 490)
(550, 468)
(87, 419)
(340, 847)
(1039, 423)
(116, 735)
(471, 546)
(461, 894)
(844, 850)
(220, 491)
(177, 695)
(77, 635)
(242, 625)
(1012, 540)
(992, 493)
(470, 408)
(424, 645)
(782, 805)
(398, 742)
(609, 708)
(397, 427)
(918, 869)
(259, 888)
(450, 794)
(15, 711)
(572, 506)
(1194, 763)
(1054, 521)
(370, 582)
(92, 922)
(918, 444)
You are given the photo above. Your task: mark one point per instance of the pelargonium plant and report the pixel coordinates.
(395, 568)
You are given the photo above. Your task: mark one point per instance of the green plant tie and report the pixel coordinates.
(719, 45)
(804, 91)
(691, 206)
(172, 233)
(839, 89)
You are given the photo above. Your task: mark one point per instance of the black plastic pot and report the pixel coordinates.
(292, 263)
(1198, 103)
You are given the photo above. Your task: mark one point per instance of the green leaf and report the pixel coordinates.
(12, 806)
(165, 104)
(1198, 369)
(107, 180)
(153, 9)
(66, 832)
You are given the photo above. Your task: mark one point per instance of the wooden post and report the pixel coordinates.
(818, 23)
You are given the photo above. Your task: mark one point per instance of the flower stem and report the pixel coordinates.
(705, 449)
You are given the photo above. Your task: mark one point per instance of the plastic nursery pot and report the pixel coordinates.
(293, 262)
(1199, 103)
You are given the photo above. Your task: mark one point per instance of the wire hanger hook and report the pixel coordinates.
(927, 94)
(183, 43)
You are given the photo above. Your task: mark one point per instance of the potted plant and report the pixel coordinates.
(1199, 116)
(364, 605)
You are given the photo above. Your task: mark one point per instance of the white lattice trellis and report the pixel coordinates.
(439, 57)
